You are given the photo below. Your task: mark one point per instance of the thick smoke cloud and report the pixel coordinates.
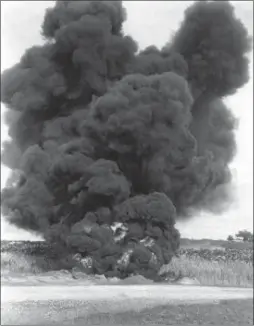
(110, 146)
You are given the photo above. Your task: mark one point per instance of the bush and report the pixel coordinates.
(227, 254)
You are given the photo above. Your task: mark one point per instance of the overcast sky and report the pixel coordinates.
(149, 23)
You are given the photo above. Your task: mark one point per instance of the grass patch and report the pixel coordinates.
(238, 312)
(221, 313)
(14, 263)
(213, 273)
(209, 243)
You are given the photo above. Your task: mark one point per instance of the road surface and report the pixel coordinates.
(45, 305)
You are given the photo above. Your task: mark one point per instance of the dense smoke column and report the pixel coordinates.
(215, 45)
(109, 146)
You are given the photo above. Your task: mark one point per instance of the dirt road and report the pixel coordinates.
(44, 305)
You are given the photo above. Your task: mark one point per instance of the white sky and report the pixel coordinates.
(149, 23)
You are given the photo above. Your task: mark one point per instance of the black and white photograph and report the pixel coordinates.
(127, 163)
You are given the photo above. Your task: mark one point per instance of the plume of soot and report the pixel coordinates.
(109, 145)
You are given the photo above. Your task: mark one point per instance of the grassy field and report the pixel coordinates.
(36, 247)
(213, 273)
(209, 244)
(226, 313)
(221, 313)
(211, 267)
(210, 273)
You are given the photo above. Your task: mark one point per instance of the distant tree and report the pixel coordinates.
(245, 235)
(230, 238)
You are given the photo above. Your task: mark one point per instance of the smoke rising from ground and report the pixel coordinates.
(111, 145)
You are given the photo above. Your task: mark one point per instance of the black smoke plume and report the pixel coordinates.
(111, 145)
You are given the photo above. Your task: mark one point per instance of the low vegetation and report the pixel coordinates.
(219, 255)
(212, 272)
(211, 267)
(227, 312)
(228, 265)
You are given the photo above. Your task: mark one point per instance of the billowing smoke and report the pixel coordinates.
(111, 145)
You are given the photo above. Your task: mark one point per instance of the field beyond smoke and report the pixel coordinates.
(26, 263)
